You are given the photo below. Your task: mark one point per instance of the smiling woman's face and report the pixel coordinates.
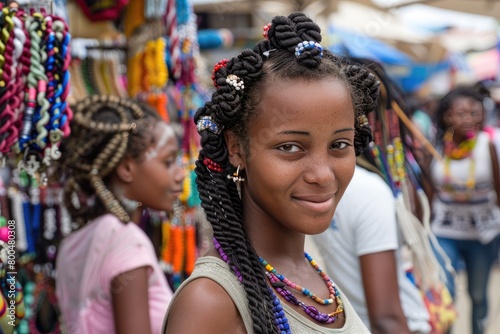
(301, 155)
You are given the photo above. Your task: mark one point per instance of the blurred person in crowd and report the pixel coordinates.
(464, 188)
(491, 120)
(120, 158)
(361, 250)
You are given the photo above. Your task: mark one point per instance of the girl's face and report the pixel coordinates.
(157, 178)
(464, 115)
(301, 155)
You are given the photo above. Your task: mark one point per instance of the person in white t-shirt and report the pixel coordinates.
(360, 250)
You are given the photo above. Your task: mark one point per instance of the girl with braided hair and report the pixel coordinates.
(119, 158)
(279, 141)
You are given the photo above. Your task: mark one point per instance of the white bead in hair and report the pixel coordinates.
(235, 81)
(363, 120)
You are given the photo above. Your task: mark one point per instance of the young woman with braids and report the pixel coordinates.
(279, 142)
(119, 158)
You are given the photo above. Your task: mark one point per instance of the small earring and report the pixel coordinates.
(130, 205)
(75, 200)
(235, 177)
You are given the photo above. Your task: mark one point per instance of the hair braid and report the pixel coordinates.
(223, 209)
(246, 260)
(367, 85)
(249, 65)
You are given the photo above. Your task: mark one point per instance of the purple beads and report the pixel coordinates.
(280, 319)
(225, 258)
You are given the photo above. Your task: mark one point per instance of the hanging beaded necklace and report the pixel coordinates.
(454, 152)
(280, 282)
(461, 151)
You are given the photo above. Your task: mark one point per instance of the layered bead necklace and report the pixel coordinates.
(280, 319)
(280, 284)
(458, 152)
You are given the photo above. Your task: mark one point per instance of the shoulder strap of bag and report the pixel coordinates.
(495, 168)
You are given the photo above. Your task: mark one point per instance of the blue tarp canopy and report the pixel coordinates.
(407, 73)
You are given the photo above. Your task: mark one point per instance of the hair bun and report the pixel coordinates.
(282, 34)
(305, 28)
(291, 32)
(368, 83)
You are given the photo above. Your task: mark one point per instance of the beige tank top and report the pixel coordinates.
(218, 271)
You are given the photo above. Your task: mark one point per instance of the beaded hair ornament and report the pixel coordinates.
(207, 122)
(307, 45)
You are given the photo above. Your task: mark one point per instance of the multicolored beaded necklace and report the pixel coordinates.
(454, 152)
(280, 319)
(462, 150)
(280, 282)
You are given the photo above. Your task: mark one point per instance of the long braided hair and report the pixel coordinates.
(104, 130)
(232, 109)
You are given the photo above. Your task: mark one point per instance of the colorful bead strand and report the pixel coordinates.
(280, 318)
(328, 281)
(461, 151)
(190, 239)
(280, 282)
(225, 258)
(309, 310)
(173, 39)
(7, 116)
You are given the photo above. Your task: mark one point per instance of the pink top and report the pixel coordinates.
(88, 260)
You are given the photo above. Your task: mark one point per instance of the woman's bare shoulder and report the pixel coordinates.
(203, 306)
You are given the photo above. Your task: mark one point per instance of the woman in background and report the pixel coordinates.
(120, 158)
(464, 188)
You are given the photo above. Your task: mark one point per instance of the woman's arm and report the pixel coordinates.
(129, 291)
(380, 282)
(204, 307)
